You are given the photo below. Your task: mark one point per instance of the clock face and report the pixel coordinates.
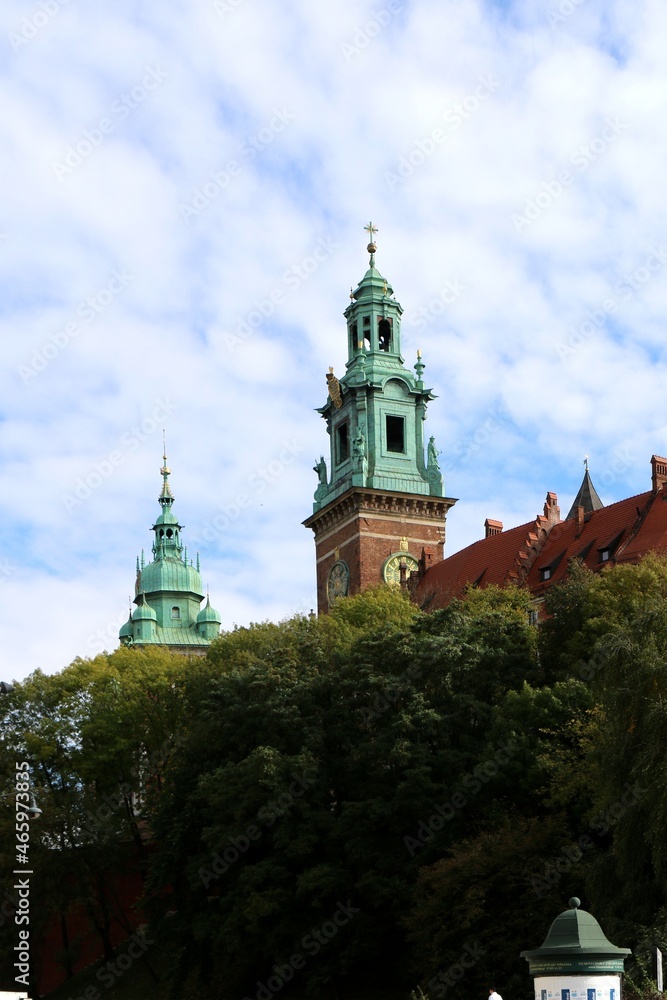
(338, 581)
(391, 571)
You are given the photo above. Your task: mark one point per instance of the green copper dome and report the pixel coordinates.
(171, 574)
(144, 612)
(208, 614)
(169, 590)
(166, 517)
(126, 630)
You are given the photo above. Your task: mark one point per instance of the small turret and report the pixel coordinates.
(145, 621)
(208, 621)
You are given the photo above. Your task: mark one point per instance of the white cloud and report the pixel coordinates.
(312, 130)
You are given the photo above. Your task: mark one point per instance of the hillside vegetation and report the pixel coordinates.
(367, 802)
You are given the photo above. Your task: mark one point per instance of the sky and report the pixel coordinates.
(184, 191)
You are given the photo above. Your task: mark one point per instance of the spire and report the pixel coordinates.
(587, 497)
(166, 497)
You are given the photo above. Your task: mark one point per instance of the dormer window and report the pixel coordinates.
(606, 553)
(545, 574)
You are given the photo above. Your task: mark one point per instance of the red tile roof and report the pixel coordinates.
(500, 558)
(627, 530)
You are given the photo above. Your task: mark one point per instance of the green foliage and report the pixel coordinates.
(378, 788)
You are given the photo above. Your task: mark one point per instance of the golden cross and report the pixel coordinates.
(371, 230)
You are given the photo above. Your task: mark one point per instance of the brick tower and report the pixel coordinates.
(380, 515)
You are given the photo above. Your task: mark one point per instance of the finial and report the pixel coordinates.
(574, 903)
(166, 497)
(586, 462)
(351, 293)
(372, 245)
(198, 567)
(420, 366)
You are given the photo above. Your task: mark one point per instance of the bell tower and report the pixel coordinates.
(379, 514)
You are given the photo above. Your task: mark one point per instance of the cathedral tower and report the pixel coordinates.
(168, 590)
(380, 514)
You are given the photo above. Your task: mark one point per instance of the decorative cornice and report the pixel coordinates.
(361, 501)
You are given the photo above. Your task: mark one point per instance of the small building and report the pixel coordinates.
(168, 590)
(576, 961)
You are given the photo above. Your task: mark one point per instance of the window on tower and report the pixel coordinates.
(342, 444)
(396, 434)
(354, 336)
(384, 335)
(175, 612)
(367, 332)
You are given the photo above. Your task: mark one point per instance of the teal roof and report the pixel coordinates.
(170, 574)
(575, 943)
(166, 517)
(176, 637)
(144, 612)
(169, 589)
(208, 614)
(126, 629)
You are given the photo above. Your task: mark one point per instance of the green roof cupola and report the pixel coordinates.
(168, 590)
(373, 319)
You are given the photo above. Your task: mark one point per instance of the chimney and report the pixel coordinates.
(658, 472)
(551, 509)
(580, 520)
(492, 527)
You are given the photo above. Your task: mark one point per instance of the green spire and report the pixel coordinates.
(166, 497)
(169, 591)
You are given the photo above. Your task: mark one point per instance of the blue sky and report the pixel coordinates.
(169, 171)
